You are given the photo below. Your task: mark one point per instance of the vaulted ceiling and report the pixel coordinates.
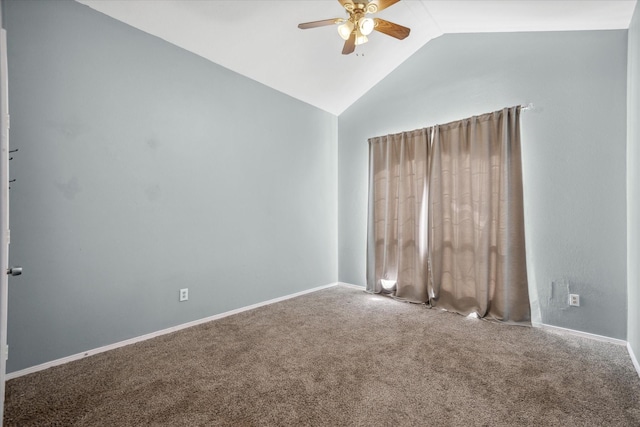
(260, 38)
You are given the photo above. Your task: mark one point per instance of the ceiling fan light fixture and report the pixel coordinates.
(345, 30)
(355, 28)
(366, 26)
(361, 39)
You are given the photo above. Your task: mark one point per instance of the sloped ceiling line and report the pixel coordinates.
(260, 39)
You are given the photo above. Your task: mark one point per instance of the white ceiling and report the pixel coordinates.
(260, 38)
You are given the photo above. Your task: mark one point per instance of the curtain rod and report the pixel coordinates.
(526, 107)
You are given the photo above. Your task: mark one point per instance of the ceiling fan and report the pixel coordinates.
(355, 29)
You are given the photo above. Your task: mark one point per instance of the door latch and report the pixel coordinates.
(14, 271)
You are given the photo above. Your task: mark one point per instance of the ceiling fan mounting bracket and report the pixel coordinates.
(360, 8)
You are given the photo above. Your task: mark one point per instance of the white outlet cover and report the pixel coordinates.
(574, 300)
(184, 294)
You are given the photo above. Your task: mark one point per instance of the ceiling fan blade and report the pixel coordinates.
(350, 44)
(322, 23)
(391, 29)
(383, 4)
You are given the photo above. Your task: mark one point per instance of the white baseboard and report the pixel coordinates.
(145, 337)
(633, 359)
(349, 285)
(579, 333)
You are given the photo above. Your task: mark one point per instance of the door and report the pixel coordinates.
(4, 212)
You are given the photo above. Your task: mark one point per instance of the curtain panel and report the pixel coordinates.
(446, 217)
(397, 238)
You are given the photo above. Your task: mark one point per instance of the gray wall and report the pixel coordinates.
(573, 155)
(633, 185)
(142, 169)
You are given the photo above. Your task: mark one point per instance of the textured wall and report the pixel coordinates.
(633, 184)
(144, 169)
(573, 155)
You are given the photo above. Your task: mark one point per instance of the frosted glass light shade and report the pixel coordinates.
(366, 26)
(345, 30)
(361, 39)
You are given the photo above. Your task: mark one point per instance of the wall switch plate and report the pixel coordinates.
(574, 300)
(184, 294)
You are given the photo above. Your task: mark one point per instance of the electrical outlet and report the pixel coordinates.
(574, 300)
(184, 294)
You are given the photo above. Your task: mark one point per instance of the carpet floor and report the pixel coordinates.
(339, 357)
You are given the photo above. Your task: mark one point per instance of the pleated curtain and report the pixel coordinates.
(476, 222)
(446, 221)
(397, 250)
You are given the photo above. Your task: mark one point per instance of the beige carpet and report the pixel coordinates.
(339, 357)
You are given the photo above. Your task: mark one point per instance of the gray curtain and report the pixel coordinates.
(446, 222)
(476, 221)
(397, 238)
